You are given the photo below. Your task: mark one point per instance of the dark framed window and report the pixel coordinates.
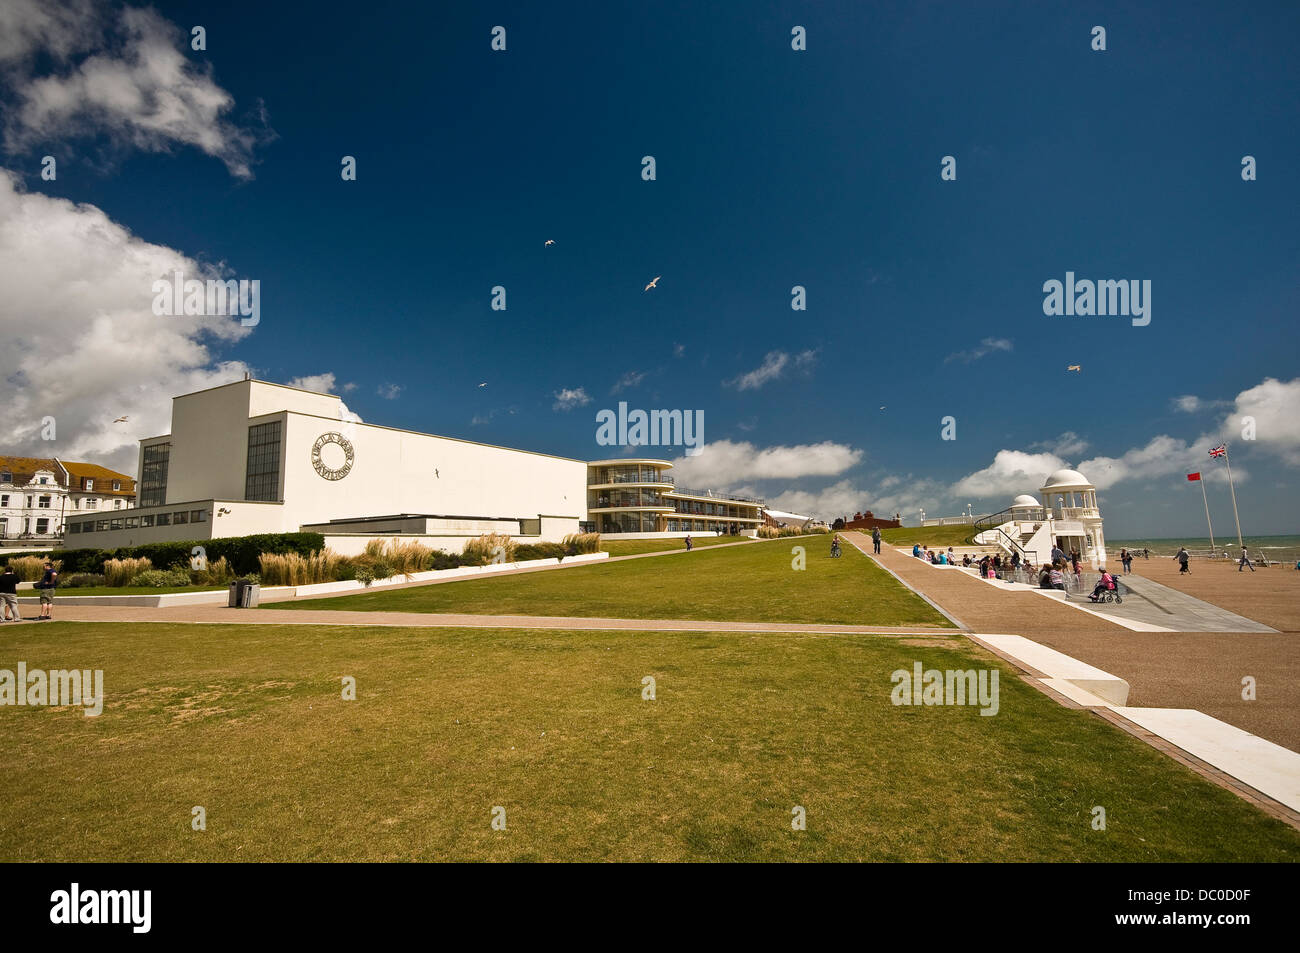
(132, 522)
(198, 516)
(262, 481)
(115, 524)
(74, 528)
(153, 474)
(146, 520)
(179, 517)
(164, 519)
(101, 526)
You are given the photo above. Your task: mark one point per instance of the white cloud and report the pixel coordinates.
(324, 384)
(630, 379)
(567, 398)
(137, 87)
(1011, 472)
(986, 347)
(80, 340)
(846, 497)
(723, 463)
(57, 29)
(390, 391)
(1275, 406)
(773, 364)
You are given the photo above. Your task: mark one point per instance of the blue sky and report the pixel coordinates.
(775, 168)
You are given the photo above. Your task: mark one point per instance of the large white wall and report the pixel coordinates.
(396, 471)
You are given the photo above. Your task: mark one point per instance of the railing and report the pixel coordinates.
(720, 495)
(635, 478)
(1075, 512)
(1027, 514)
(1015, 546)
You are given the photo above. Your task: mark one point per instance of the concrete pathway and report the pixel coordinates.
(221, 615)
(1164, 669)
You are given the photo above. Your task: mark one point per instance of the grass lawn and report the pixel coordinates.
(631, 547)
(753, 583)
(248, 723)
(931, 536)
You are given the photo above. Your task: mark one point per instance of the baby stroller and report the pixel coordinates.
(1107, 595)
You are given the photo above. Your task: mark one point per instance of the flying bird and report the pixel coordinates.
(549, 241)
(121, 420)
(1074, 367)
(484, 384)
(653, 283)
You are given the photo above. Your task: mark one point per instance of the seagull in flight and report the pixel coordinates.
(549, 241)
(121, 420)
(484, 384)
(653, 283)
(1075, 367)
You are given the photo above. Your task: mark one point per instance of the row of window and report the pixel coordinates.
(175, 518)
(46, 502)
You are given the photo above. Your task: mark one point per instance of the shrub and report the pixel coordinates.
(241, 552)
(159, 578)
(120, 572)
(365, 575)
(576, 543)
(294, 569)
(217, 573)
(490, 548)
(439, 559)
(775, 532)
(405, 558)
(31, 568)
(81, 580)
(541, 551)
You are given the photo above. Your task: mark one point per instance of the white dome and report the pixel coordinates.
(1067, 480)
(1024, 500)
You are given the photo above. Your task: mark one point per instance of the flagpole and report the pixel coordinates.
(1233, 491)
(1207, 515)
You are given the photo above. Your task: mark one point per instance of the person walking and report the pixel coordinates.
(48, 584)
(1126, 559)
(1183, 558)
(1245, 560)
(9, 596)
(689, 544)
(875, 539)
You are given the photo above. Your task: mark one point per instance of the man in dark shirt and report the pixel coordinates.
(9, 596)
(48, 584)
(875, 539)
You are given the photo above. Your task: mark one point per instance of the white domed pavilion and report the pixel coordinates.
(1066, 517)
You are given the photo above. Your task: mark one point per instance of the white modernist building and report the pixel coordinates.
(255, 457)
(1066, 517)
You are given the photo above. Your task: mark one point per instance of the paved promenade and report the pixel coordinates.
(1201, 670)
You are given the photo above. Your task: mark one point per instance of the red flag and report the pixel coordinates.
(1194, 476)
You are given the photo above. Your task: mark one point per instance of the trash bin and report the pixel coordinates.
(234, 595)
(249, 595)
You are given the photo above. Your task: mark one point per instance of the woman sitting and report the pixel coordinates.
(1105, 584)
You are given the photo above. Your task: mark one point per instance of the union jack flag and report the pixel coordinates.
(1220, 450)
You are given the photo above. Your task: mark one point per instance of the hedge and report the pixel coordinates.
(240, 551)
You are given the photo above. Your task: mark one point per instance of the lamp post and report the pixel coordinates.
(922, 517)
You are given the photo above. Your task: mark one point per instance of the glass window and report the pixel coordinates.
(74, 528)
(117, 484)
(42, 526)
(4, 500)
(92, 504)
(262, 481)
(90, 484)
(153, 474)
(179, 517)
(132, 522)
(146, 520)
(6, 477)
(101, 526)
(115, 524)
(117, 504)
(164, 519)
(44, 502)
(198, 516)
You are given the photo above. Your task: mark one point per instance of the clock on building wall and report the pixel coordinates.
(332, 455)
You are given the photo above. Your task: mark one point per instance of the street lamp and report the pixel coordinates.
(922, 517)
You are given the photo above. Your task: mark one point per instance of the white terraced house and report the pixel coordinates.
(255, 457)
(39, 494)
